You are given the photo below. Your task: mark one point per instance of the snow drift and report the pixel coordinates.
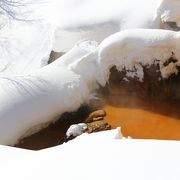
(101, 155)
(40, 97)
(77, 20)
(46, 25)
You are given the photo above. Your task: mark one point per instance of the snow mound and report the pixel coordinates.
(59, 25)
(31, 100)
(107, 135)
(135, 48)
(75, 21)
(98, 156)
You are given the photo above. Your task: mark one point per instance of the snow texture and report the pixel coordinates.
(132, 49)
(77, 20)
(76, 130)
(98, 156)
(26, 38)
(59, 25)
(39, 97)
(24, 46)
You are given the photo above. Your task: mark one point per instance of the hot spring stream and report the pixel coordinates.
(145, 111)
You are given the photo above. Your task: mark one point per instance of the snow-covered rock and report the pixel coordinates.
(132, 49)
(76, 130)
(168, 11)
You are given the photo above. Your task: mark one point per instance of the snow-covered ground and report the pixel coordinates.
(40, 97)
(101, 155)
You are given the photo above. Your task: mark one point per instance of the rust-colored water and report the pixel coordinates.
(138, 119)
(147, 120)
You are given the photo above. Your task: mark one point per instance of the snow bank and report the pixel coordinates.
(107, 135)
(27, 101)
(99, 156)
(77, 20)
(59, 25)
(133, 49)
(41, 96)
(10, 153)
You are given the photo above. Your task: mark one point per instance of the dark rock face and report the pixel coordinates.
(153, 86)
(54, 55)
(55, 133)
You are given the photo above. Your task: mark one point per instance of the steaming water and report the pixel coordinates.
(143, 119)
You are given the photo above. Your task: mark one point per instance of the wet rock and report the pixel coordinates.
(95, 122)
(152, 86)
(96, 116)
(97, 126)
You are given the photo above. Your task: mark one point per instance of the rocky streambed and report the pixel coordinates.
(55, 134)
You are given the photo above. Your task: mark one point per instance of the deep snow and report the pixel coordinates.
(41, 96)
(77, 20)
(59, 25)
(100, 155)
